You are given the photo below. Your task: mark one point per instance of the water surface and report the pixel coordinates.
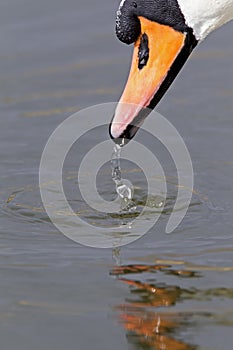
(161, 292)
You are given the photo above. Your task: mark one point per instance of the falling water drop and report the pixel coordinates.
(124, 187)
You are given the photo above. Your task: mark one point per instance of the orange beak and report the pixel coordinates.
(144, 83)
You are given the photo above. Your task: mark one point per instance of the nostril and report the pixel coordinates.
(143, 53)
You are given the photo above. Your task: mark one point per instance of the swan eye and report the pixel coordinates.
(143, 52)
(134, 4)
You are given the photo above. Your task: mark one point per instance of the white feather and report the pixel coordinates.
(122, 3)
(206, 15)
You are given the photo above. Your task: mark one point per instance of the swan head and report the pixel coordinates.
(164, 33)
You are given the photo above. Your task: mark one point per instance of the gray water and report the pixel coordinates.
(161, 292)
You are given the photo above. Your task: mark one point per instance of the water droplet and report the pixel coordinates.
(124, 187)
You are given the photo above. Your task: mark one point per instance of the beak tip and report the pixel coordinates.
(122, 138)
(122, 129)
(116, 130)
(115, 134)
